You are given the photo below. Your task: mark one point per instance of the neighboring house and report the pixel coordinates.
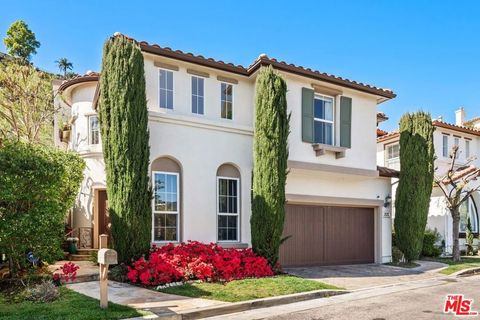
(465, 134)
(201, 118)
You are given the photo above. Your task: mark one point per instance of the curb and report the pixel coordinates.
(255, 304)
(466, 272)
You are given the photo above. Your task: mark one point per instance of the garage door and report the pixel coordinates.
(321, 235)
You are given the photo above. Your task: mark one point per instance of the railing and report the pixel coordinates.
(84, 235)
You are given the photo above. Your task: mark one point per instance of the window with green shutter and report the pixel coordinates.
(345, 122)
(307, 115)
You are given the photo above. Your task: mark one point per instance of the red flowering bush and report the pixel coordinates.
(197, 261)
(68, 273)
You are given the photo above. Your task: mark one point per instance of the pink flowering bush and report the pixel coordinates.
(68, 272)
(197, 261)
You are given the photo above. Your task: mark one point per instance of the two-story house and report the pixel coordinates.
(201, 119)
(464, 134)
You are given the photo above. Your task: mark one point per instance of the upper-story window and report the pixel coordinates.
(166, 89)
(226, 101)
(393, 156)
(93, 130)
(323, 119)
(197, 95)
(456, 142)
(467, 149)
(445, 146)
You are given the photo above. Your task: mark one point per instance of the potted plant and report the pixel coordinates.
(72, 245)
(65, 132)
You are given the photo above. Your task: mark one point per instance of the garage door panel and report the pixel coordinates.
(323, 235)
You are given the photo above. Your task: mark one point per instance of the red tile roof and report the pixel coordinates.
(88, 76)
(262, 60)
(387, 172)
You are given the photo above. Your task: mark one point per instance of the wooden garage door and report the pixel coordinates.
(322, 235)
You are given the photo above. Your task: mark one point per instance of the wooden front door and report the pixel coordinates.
(322, 235)
(104, 226)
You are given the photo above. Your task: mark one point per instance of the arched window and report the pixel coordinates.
(228, 203)
(468, 209)
(166, 175)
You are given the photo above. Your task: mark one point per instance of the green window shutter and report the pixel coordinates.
(345, 122)
(307, 115)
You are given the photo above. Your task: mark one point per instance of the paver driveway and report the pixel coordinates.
(354, 277)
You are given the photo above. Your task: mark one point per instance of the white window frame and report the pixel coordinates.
(467, 148)
(456, 142)
(388, 160)
(160, 89)
(197, 96)
(445, 150)
(166, 212)
(90, 132)
(320, 96)
(233, 100)
(229, 214)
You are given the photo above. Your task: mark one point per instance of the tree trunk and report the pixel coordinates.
(455, 231)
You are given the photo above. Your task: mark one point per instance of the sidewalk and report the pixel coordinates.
(158, 303)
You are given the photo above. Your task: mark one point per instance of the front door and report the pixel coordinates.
(104, 226)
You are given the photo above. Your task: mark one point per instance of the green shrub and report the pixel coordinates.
(415, 184)
(430, 239)
(397, 255)
(37, 186)
(270, 155)
(119, 273)
(125, 140)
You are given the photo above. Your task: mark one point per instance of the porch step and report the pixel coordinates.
(79, 257)
(88, 251)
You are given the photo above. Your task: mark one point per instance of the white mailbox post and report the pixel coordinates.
(105, 258)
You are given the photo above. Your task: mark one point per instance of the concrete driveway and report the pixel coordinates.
(356, 277)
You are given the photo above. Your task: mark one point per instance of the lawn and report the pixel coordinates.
(248, 289)
(465, 263)
(70, 305)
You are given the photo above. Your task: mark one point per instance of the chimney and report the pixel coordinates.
(460, 116)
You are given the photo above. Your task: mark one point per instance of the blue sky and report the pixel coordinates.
(428, 52)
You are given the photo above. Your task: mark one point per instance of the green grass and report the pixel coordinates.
(248, 289)
(465, 263)
(70, 305)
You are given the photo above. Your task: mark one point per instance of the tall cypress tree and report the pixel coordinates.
(270, 155)
(416, 181)
(125, 137)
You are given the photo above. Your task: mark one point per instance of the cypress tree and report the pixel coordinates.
(270, 154)
(125, 139)
(416, 181)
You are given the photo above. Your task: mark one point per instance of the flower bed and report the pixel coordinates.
(197, 261)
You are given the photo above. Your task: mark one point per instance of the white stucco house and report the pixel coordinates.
(465, 134)
(201, 118)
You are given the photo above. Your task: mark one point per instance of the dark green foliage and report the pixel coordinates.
(469, 238)
(37, 187)
(270, 155)
(124, 127)
(430, 239)
(416, 182)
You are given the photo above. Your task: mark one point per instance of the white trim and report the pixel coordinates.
(191, 95)
(233, 100)
(332, 122)
(90, 136)
(166, 212)
(199, 122)
(228, 214)
(173, 90)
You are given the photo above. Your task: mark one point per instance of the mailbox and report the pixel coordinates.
(107, 256)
